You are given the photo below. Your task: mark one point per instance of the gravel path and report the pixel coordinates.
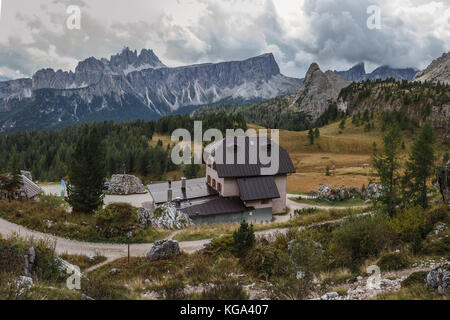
(115, 251)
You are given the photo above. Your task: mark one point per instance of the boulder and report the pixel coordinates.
(373, 192)
(168, 216)
(114, 271)
(330, 296)
(163, 250)
(328, 193)
(123, 184)
(30, 257)
(439, 278)
(144, 217)
(26, 174)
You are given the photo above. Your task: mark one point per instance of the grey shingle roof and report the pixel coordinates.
(215, 207)
(248, 169)
(195, 188)
(258, 188)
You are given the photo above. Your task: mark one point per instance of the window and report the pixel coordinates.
(209, 180)
(214, 183)
(265, 201)
(214, 166)
(219, 187)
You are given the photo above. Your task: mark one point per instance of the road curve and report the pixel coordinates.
(114, 251)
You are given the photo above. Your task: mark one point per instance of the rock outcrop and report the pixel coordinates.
(163, 250)
(317, 90)
(372, 192)
(439, 278)
(168, 217)
(125, 184)
(437, 71)
(328, 193)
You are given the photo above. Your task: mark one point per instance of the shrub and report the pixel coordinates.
(261, 261)
(291, 288)
(172, 289)
(414, 278)
(360, 238)
(244, 239)
(103, 289)
(307, 253)
(116, 219)
(393, 261)
(406, 222)
(225, 290)
(223, 244)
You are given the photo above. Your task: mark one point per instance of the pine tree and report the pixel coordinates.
(420, 166)
(244, 239)
(87, 174)
(387, 168)
(342, 124)
(311, 136)
(317, 133)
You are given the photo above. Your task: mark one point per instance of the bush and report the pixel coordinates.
(116, 219)
(102, 289)
(307, 253)
(244, 239)
(226, 290)
(223, 244)
(414, 278)
(172, 289)
(407, 222)
(360, 238)
(393, 261)
(261, 261)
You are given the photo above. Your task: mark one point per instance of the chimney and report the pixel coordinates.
(169, 192)
(183, 183)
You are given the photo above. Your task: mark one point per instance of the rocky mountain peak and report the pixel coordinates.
(438, 70)
(128, 60)
(317, 90)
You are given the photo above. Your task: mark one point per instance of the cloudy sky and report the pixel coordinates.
(334, 33)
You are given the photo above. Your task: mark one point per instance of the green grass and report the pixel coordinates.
(81, 227)
(353, 202)
(83, 261)
(213, 231)
(414, 292)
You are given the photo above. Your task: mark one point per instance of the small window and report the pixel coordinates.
(214, 166)
(209, 179)
(265, 201)
(214, 183)
(219, 187)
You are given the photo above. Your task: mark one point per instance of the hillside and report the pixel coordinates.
(416, 101)
(437, 71)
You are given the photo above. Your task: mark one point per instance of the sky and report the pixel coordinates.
(334, 33)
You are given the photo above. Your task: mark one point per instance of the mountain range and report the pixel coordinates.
(358, 73)
(132, 86)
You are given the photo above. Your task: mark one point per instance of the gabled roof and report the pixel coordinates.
(216, 207)
(31, 189)
(195, 188)
(258, 188)
(246, 146)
